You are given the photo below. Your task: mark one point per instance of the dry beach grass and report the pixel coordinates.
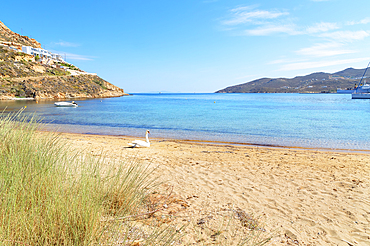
(53, 194)
(300, 196)
(75, 189)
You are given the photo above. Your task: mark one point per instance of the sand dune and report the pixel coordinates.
(307, 197)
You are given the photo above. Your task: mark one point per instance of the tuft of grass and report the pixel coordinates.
(53, 195)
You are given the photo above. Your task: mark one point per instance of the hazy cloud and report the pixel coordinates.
(322, 27)
(260, 22)
(71, 56)
(292, 29)
(272, 29)
(363, 21)
(346, 36)
(335, 41)
(320, 64)
(66, 44)
(247, 14)
(278, 61)
(324, 49)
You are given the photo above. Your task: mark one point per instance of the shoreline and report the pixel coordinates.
(221, 143)
(56, 99)
(265, 133)
(309, 196)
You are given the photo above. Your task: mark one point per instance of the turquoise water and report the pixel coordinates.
(304, 120)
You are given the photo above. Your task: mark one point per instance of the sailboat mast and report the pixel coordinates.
(364, 73)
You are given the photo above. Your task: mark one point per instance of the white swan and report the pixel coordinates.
(141, 143)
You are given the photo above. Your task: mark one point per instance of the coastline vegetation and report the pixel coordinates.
(57, 72)
(70, 66)
(51, 194)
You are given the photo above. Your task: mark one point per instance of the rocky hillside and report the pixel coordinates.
(23, 77)
(312, 83)
(8, 36)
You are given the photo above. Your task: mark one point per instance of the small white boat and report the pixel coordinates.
(363, 91)
(361, 96)
(66, 104)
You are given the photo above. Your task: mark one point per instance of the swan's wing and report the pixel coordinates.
(139, 143)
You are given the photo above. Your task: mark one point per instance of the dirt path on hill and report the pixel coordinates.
(37, 78)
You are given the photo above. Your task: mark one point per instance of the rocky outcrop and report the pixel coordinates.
(58, 87)
(7, 36)
(23, 77)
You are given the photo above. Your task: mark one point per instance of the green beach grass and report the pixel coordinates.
(51, 194)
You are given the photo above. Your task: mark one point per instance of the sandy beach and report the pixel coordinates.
(303, 197)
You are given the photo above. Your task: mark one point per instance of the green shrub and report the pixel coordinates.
(57, 72)
(70, 66)
(52, 195)
(100, 83)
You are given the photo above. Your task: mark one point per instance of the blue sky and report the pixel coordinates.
(197, 45)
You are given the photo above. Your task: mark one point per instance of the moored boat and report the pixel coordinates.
(361, 96)
(66, 104)
(363, 91)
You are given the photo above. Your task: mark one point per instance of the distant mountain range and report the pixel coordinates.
(312, 83)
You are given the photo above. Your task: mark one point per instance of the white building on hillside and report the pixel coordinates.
(41, 53)
(57, 57)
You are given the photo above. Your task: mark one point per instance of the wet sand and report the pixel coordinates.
(306, 197)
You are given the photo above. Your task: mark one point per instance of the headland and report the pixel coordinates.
(28, 71)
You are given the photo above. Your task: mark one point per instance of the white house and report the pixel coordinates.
(57, 57)
(41, 53)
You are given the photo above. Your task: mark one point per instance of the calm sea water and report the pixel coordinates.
(304, 120)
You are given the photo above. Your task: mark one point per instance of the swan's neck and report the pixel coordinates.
(147, 138)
